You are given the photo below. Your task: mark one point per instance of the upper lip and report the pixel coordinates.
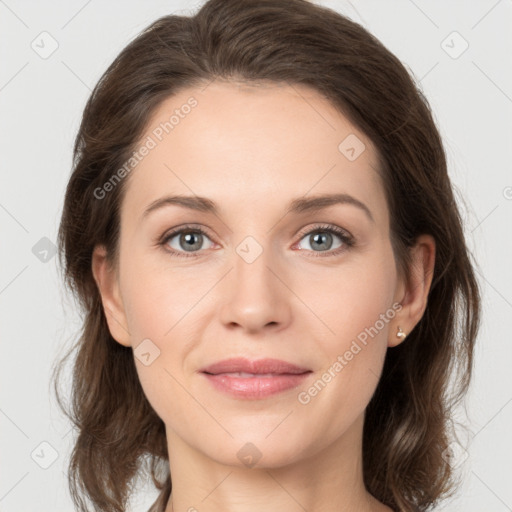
(260, 366)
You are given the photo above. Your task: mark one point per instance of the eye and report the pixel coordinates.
(320, 240)
(190, 239)
(185, 240)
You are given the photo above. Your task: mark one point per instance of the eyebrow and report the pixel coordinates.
(299, 205)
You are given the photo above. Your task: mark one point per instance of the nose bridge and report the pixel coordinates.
(256, 297)
(251, 267)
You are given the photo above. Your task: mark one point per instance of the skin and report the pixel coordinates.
(251, 150)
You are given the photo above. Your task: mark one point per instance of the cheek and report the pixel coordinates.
(359, 310)
(367, 308)
(156, 299)
(156, 308)
(359, 299)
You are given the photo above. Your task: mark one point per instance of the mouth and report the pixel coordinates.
(246, 375)
(260, 367)
(257, 379)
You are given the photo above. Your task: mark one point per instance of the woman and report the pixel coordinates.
(276, 289)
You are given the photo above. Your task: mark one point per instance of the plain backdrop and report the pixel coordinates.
(51, 55)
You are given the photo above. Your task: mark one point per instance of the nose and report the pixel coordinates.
(255, 296)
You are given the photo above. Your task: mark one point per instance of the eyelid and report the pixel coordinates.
(178, 230)
(346, 238)
(182, 228)
(331, 228)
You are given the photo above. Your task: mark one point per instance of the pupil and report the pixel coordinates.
(320, 239)
(189, 240)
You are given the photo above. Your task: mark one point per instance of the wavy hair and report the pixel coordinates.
(407, 422)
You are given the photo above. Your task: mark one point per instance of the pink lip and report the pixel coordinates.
(271, 376)
(241, 364)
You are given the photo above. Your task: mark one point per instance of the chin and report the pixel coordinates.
(256, 449)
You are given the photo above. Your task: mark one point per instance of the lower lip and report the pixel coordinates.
(255, 387)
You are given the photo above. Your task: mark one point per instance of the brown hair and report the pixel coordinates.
(407, 422)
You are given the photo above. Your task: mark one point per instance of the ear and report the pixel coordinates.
(414, 291)
(108, 284)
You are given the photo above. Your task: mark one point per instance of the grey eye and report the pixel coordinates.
(187, 241)
(321, 240)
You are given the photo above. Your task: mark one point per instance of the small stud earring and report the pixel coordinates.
(400, 334)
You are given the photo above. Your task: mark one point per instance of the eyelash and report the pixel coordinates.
(347, 239)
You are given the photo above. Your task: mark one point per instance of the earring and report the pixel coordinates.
(400, 334)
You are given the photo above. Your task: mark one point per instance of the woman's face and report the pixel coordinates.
(267, 279)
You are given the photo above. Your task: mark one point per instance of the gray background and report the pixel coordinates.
(41, 100)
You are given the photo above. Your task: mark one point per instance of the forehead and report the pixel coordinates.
(251, 145)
